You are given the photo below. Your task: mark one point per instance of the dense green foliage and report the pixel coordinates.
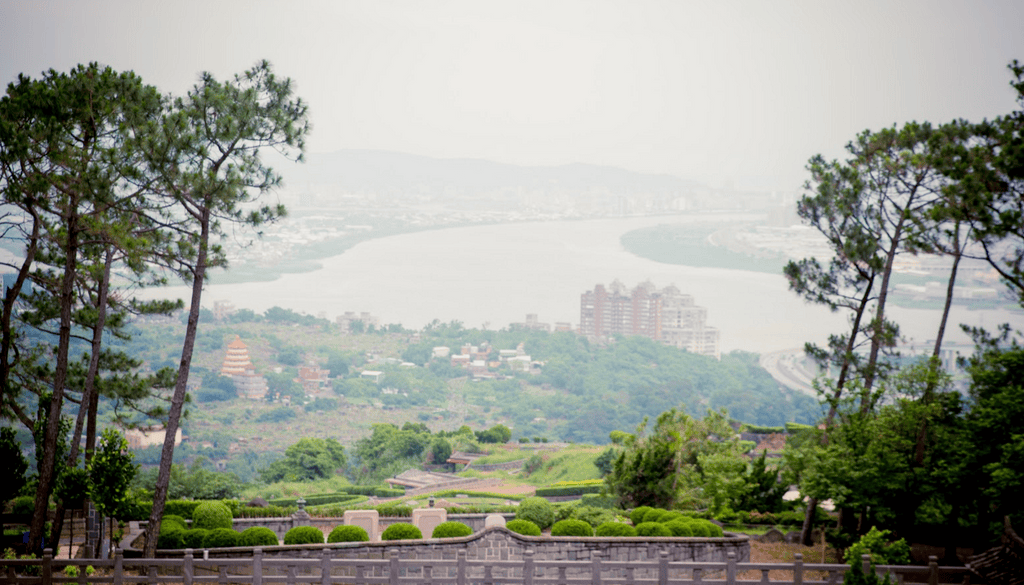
(680, 527)
(401, 531)
(682, 462)
(572, 528)
(172, 537)
(304, 535)
(212, 515)
(257, 536)
(308, 459)
(346, 533)
(520, 526)
(221, 538)
(111, 472)
(536, 510)
(652, 529)
(195, 538)
(615, 529)
(451, 529)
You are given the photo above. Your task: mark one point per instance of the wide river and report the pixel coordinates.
(494, 275)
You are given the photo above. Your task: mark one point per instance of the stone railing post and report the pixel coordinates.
(460, 568)
(865, 566)
(798, 569)
(393, 568)
(257, 566)
(663, 567)
(730, 568)
(933, 570)
(325, 566)
(118, 566)
(595, 568)
(46, 571)
(187, 569)
(528, 566)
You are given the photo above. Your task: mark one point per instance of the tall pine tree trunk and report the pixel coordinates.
(180, 387)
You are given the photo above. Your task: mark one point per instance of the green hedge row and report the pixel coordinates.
(575, 490)
(318, 499)
(453, 493)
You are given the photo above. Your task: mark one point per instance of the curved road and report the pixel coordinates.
(787, 367)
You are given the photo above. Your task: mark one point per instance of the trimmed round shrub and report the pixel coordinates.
(304, 535)
(523, 527)
(221, 538)
(572, 528)
(680, 527)
(593, 516)
(669, 517)
(536, 510)
(347, 533)
(451, 529)
(211, 515)
(172, 537)
(637, 515)
(652, 529)
(401, 531)
(170, 519)
(257, 536)
(615, 529)
(715, 530)
(194, 537)
(700, 527)
(653, 515)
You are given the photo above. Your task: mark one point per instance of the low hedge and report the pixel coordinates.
(257, 536)
(319, 500)
(615, 529)
(577, 490)
(348, 533)
(451, 529)
(680, 528)
(195, 537)
(183, 508)
(172, 537)
(453, 493)
(401, 531)
(536, 510)
(523, 527)
(304, 535)
(221, 538)
(636, 516)
(652, 529)
(572, 528)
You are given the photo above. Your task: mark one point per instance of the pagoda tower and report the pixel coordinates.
(239, 368)
(237, 362)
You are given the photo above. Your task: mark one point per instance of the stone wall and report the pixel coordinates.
(281, 526)
(500, 544)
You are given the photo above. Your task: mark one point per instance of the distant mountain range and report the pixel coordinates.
(375, 170)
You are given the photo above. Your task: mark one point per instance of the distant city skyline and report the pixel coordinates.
(733, 93)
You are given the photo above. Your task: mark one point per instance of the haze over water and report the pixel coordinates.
(496, 274)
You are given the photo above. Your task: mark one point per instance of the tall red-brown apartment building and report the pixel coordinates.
(665, 315)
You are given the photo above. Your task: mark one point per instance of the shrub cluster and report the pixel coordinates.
(304, 535)
(451, 529)
(652, 529)
(221, 538)
(536, 510)
(257, 536)
(348, 533)
(615, 529)
(211, 515)
(195, 537)
(401, 531)
(523, 527)
(572, 528)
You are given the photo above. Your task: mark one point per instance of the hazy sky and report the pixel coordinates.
(716, 91)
